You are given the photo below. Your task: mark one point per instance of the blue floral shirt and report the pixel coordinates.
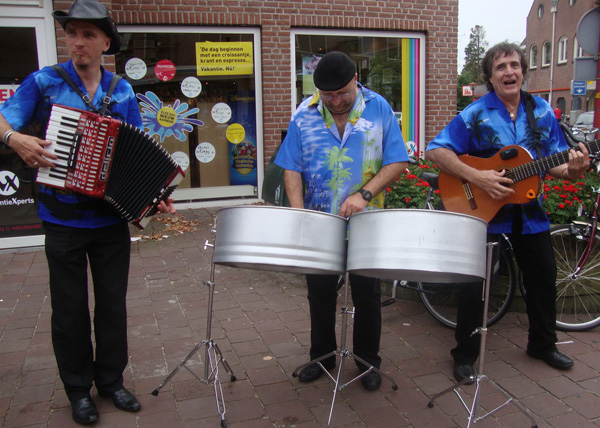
(332, 167)
(32, 103)
(484, 127)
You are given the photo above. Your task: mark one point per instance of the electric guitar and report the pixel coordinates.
(466, 198)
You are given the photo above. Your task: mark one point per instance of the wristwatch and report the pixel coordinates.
(367, 196)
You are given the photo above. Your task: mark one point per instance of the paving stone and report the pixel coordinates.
(261, 326)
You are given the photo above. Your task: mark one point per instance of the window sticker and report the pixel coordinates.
(205, 152)
(166, 120)
(164, 70)
(191, 87)
(182, 160)
(221, 113)
(235, 133)
(135, 69)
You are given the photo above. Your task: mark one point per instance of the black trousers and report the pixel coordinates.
(68, 251)
(366, 296)
(536, 261)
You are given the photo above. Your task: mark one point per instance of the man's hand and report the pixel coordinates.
(579, 162)
(352, 205)
(166, 207)
(31, 150)
(494, 183)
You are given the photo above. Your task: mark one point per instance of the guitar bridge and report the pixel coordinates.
(469, 195)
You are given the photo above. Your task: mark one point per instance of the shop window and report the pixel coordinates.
(197, 94)
(533, 53)
(546, 53)
(563, 44)
(391, 64)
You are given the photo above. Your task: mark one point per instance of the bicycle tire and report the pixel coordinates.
(577, 298)
(441, 300)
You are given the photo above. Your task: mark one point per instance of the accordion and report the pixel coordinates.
(105, 158)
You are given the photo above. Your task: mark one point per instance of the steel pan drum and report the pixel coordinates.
(280, 239)
(417, 245)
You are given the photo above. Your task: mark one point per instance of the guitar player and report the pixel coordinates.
(485, 128)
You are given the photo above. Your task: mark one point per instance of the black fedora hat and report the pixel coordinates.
(95, 12)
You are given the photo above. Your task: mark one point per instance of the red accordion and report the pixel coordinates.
(106, 158)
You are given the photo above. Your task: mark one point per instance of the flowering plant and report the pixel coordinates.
(410, 191)
(561, 198)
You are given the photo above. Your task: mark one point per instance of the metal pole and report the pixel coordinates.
(596, 121)
(553, 9)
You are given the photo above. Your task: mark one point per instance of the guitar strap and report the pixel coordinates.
(529, 108)
(86, 99)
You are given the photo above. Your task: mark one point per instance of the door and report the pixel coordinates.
(32, 47)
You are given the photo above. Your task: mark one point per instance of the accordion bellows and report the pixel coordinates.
(106, 158)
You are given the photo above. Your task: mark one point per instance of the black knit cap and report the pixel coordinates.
(95, 12)
(334, 71)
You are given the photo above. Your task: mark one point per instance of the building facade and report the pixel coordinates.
(552, 50)
(218, 80)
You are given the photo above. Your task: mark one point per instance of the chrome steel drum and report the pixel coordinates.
(417, 245)
(280, 239)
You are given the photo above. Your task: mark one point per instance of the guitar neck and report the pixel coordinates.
(538, 166)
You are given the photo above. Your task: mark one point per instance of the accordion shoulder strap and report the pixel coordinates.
(86, 99)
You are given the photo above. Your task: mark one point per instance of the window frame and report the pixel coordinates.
(563, 50)
(546, 54)
(533, 57)
(578, 51)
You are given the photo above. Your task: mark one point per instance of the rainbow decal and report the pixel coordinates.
(410, 94)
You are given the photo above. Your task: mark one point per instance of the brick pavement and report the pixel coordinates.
(261, 325)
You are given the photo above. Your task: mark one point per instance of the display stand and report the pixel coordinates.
(473, 411)
(343, 353)
(212, 357)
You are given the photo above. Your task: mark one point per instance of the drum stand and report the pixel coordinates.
(343, 352)
(212, 357)
(480, 377)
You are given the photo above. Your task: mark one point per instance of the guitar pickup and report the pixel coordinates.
(508, 153)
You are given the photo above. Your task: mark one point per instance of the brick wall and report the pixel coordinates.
(539, 30)
(437, 19)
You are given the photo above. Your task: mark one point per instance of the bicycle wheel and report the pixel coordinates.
(577, 296)
(441, 300)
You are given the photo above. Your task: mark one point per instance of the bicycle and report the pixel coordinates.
(441, 300)
(577, 252)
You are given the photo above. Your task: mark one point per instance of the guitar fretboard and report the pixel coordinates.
(538, 166)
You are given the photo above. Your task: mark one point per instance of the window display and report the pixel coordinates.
(196, 93)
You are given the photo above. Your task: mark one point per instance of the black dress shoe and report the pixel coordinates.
(313, 371)
(84, 411)
(553, 358)
(123, 399)
(371, 381)
(464, 371)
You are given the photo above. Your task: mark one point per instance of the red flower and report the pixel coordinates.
(561, 205)
(407, 200)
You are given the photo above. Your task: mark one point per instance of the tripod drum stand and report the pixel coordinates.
(473, 410)
(212, 356)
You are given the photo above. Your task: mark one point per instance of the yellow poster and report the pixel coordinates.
(224, 58)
